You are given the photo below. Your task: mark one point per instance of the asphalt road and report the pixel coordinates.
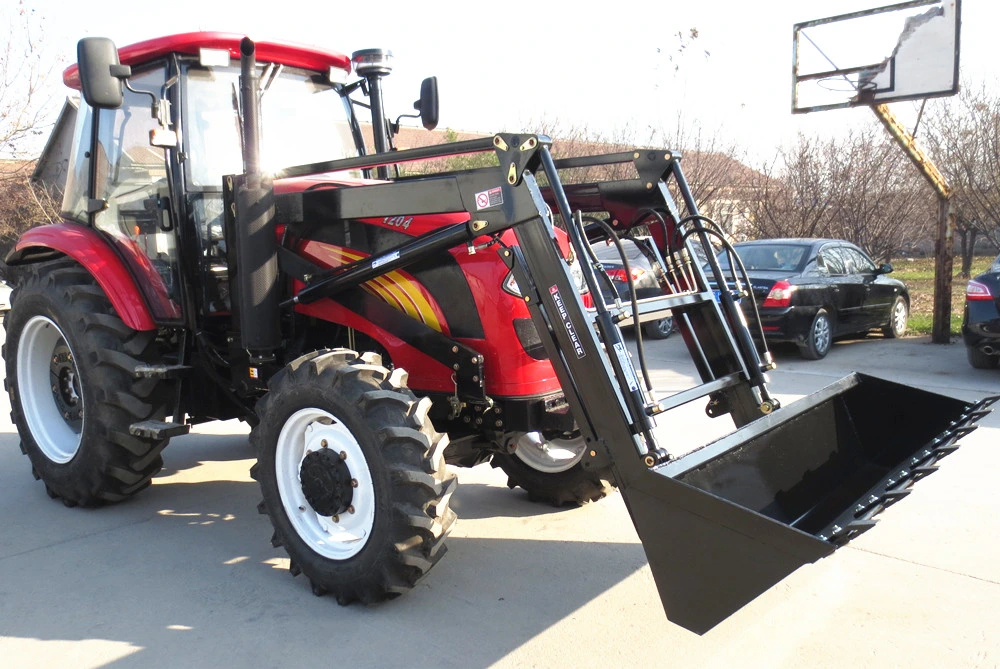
(184, 575)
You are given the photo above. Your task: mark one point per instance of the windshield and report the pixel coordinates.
(768, 257)
(304, 120)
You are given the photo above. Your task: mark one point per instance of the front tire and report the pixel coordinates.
(820, 337)
(353, 476)
(73, 392)
(898, 317)
(550, 470)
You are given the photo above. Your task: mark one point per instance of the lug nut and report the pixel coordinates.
(335, 519)
(302, 508)
(354, 483)
(324, 443)
(343, 455)
(350, 509)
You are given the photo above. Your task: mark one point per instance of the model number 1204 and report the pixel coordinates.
(398, 221)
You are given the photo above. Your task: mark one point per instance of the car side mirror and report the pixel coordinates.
(101, 74)
(427, 105)
(886, 268)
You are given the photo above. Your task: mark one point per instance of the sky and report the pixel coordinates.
(526, 65)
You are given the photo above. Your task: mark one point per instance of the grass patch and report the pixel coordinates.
(918, 275)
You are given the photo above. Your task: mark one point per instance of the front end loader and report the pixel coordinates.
(354, 452)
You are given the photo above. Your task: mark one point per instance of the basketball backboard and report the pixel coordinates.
(905, 51)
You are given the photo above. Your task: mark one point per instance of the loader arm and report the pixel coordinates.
(725, 522)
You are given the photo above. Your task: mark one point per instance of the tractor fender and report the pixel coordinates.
(88, 248)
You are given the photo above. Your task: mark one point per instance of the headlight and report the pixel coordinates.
(581, 283)
(510, 284)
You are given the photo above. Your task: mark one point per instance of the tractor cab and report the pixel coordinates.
(147, 166)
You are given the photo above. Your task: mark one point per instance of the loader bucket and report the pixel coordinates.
(726, 522)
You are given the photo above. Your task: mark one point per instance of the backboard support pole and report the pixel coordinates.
(944, 242)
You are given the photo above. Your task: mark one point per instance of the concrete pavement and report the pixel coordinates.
(184, 576)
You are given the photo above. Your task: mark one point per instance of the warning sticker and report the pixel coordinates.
(489, 198)
(567, 323)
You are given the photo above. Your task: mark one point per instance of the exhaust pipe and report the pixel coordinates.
(988, 350)
(252, 238)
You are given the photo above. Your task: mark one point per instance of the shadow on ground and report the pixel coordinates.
(170, 573)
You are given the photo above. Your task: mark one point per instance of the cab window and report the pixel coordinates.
(132, 180)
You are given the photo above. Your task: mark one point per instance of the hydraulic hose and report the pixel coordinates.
(610, 233)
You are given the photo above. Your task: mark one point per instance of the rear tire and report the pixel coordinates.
(896, 327)
(981, 360)
(353, 476)
(559, 482)
(73, 395)
(819, 338)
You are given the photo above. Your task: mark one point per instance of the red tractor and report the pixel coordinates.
(228, 245)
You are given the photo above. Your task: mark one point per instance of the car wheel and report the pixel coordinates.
(659, 329)
(981, 360)
(820, 337)
(896, 327)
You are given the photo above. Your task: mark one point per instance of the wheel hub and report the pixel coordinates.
(326, 482)
(548, 454)
(66, 386)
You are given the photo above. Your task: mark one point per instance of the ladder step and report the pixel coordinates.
(157, 429)
(691, 394)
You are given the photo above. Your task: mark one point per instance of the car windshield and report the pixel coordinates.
(304, 120)
(768, 257)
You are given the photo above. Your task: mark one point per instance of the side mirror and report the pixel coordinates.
(427, 105)
(101, 74)
(886, 268)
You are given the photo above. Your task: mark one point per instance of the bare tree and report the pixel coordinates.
(792, 196)
(964, 138)
(23, 120)
(856, 188)
(882, 203)
(23, 105)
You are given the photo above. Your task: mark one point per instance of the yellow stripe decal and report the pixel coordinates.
(397, 290)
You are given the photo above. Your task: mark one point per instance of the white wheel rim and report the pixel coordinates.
(57, 439)
(899, 317)
(550, 456)
(304, 432)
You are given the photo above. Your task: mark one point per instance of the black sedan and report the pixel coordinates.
(981, 319)
(809, 291)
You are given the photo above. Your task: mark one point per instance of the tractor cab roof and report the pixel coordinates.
(285, 53)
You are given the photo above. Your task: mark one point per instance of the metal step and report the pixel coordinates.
(161, 371)
(654, 308)
(157, 429)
